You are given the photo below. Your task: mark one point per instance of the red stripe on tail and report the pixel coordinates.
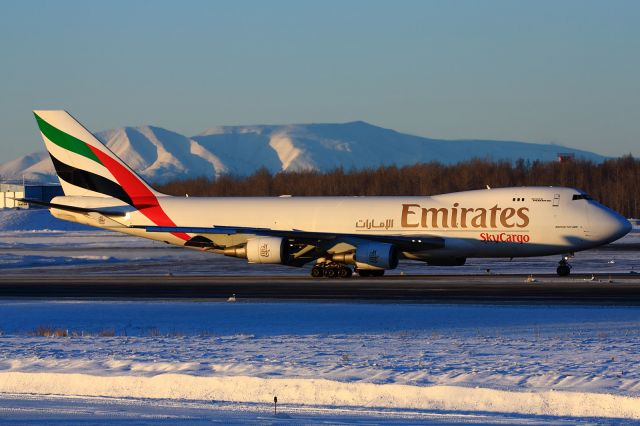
(143, 199)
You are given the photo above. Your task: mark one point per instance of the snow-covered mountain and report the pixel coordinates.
(35, 166)
(161, 155)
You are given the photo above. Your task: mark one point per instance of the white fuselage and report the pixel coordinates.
(504, 222)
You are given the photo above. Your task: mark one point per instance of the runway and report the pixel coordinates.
(611, 289)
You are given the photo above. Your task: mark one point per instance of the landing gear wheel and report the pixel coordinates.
(344, 272)
(563, 270)
(331, 272)
(317, 271)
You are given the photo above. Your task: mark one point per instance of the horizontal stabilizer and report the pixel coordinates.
(118, 211)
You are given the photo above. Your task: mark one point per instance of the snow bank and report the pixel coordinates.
(36, 220)
(324, 393)
(30, 261)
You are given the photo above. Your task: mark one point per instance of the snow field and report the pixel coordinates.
(324, 393)
(577, 361)
(34, 220)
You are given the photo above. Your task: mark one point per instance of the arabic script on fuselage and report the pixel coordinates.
(374, 224)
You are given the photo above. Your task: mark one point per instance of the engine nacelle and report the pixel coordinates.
(376, 256)
(266, 250)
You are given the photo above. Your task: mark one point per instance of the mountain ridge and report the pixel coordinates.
(161, 155)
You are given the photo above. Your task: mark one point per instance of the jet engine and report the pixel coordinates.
(266, 250)
(261, 250)
(370, 256)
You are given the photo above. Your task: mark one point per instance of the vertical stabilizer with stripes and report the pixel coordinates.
(86, 167)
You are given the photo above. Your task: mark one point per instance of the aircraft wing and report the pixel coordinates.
(402, 242)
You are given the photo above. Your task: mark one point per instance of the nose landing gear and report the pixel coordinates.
(564, 269)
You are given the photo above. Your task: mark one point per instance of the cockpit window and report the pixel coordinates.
(582, 197)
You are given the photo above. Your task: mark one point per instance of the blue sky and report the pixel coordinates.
(538, 71)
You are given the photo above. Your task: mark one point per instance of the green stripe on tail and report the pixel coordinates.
(66, 141)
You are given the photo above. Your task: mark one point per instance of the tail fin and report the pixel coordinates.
(85, 166)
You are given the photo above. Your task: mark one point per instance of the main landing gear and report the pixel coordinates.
(337, 270)
(564, 269)
(331, 270)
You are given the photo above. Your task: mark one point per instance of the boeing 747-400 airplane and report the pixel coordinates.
(368, 234)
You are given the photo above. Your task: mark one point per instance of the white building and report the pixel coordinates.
(11, 192)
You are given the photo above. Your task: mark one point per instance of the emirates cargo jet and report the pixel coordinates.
(340, 234)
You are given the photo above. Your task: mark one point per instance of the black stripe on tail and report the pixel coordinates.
(90, 181)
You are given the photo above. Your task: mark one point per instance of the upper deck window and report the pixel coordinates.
(581, 197)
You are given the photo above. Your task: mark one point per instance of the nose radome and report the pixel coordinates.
(622, 228)
(609, 225)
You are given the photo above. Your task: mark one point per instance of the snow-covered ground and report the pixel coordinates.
(566, 361)
(53, 409)
(194, 361)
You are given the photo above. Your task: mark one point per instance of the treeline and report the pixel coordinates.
(615, 182)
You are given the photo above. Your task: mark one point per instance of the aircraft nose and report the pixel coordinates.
(608, 224)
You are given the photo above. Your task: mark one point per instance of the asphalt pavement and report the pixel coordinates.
(610, 289)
